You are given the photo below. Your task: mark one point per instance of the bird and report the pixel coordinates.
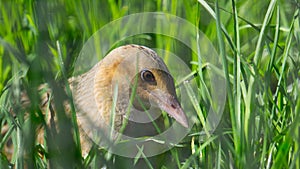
(128, 88)
(125, 67)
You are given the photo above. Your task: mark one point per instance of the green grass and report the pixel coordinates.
(259, 47)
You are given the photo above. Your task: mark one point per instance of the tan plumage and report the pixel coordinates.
(128, 69)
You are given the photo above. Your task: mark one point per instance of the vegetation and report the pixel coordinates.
(258, 43)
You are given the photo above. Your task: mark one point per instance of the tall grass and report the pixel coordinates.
(258, 43)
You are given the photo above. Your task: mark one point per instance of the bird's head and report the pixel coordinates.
(129, 77)
(155, 88)
(143, 78)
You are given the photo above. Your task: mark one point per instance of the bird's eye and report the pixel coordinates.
(147, 76)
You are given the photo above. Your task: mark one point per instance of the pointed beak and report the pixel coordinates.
(170, 104)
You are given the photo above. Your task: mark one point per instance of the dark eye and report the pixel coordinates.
(147, 76)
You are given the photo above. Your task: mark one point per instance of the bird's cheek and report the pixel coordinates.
(141, 102)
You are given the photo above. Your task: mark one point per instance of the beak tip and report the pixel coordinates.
(184, 123)
(170, 104)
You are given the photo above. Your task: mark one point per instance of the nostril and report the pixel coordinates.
(173, 106)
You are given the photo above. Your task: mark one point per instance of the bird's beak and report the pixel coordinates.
(170, 104)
